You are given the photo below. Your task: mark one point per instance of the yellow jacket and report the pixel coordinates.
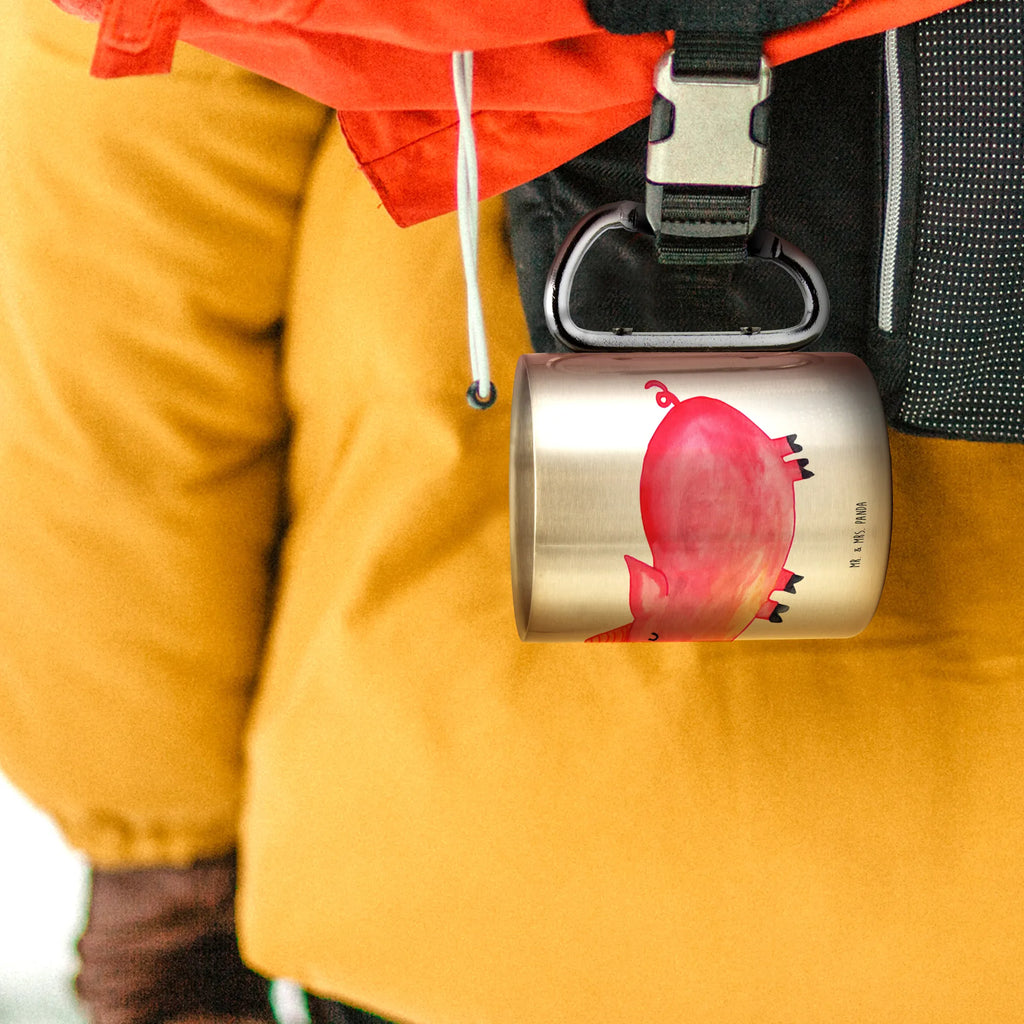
(438, 821)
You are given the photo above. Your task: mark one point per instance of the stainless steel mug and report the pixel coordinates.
(663, 496)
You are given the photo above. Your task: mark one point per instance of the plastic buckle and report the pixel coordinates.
(716, 137)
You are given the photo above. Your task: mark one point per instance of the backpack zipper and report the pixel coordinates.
(893, 184)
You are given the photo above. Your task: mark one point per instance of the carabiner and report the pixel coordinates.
(628, 216)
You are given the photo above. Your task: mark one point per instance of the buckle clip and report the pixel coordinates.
(708, 135)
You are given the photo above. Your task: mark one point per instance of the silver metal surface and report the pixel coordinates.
(582, 426)
(711, 141)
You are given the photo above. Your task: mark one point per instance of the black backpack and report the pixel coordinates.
(896, 163)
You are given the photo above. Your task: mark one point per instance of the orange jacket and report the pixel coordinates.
(549, 83)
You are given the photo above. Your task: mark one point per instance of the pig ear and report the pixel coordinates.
(648, 587)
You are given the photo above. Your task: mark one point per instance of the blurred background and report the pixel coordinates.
(42, 903)
(42, 893)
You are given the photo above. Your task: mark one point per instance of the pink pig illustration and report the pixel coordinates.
(718, 510)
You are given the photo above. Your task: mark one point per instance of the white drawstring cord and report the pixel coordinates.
(481, 393)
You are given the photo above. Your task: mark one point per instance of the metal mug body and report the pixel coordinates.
(697, 496)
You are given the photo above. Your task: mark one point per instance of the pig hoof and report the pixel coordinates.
(772, 611)
(787, 581)
(805, 473)
(793, 446)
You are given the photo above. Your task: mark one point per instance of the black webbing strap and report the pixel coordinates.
(716, 54)
(701, 223)
(682, 210)
(631, 17)
(705, 222)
